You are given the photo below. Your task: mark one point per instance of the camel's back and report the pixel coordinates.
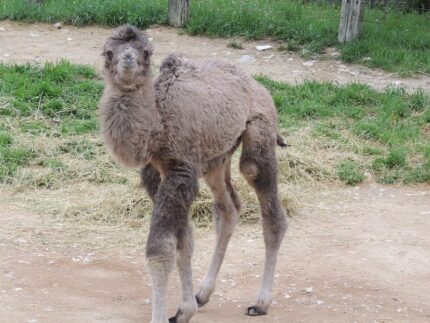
(208, 105)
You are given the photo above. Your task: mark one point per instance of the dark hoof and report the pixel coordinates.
(174, 319)
(255, 311)
(200, 303)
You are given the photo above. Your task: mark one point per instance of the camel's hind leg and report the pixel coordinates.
(226, 213)
(258, 164)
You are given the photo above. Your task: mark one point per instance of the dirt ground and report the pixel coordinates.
(358, 255)
(42, 42)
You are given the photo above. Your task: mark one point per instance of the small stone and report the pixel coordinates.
(58, 25)
(69, 39)
(309, 290)
(263, 47)
(286, 296)
(319, 302)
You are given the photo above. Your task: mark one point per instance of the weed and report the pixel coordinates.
(348, 171)
(235, 44)
(11, 159)
(5, 139)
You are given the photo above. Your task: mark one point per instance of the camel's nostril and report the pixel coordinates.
(128, 56)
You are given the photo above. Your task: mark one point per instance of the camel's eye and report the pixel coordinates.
(109, 55)
(146, 56)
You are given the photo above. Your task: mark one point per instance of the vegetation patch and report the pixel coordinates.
(52, 156)
(349, 172)
(387, 132)
(392, 40)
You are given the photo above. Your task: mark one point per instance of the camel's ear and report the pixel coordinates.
(146, 56)
(147, 50)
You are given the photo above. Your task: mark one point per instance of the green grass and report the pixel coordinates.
(42, 104)
(49, 130)
(349, 172)
(81, 12)
(387, 131)
(391, 40)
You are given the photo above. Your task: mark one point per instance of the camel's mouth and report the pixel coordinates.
(128, 66)
(128, 63)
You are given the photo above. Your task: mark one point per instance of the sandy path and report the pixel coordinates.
(42, 42)
(364, 251)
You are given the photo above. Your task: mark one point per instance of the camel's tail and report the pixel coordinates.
(280, 141)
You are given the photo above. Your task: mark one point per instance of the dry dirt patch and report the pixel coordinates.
(358, 255)
(43, 42)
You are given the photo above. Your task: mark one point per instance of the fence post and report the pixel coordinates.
(179, 12)
(351, 20)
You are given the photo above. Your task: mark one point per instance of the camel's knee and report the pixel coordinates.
(249, 170)
(160, 251)
(185, 245)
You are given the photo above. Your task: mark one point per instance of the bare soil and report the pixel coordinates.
(360, 255)
(43, 42)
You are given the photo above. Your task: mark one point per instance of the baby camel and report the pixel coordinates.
(185, 125)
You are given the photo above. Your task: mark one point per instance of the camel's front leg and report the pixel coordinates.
(169, 232)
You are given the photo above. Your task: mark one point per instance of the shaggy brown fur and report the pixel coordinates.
(186, 125)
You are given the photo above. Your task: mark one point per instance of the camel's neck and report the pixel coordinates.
(131, 123)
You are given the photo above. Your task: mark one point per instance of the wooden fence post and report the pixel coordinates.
(179, 12)
(351, 20)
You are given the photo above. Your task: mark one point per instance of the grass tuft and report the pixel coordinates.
(348, 171)
(235, 44)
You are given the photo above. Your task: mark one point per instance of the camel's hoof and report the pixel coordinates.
(200, 303)
(255, 311)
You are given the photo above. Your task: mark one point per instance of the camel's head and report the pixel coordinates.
(127, 56)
